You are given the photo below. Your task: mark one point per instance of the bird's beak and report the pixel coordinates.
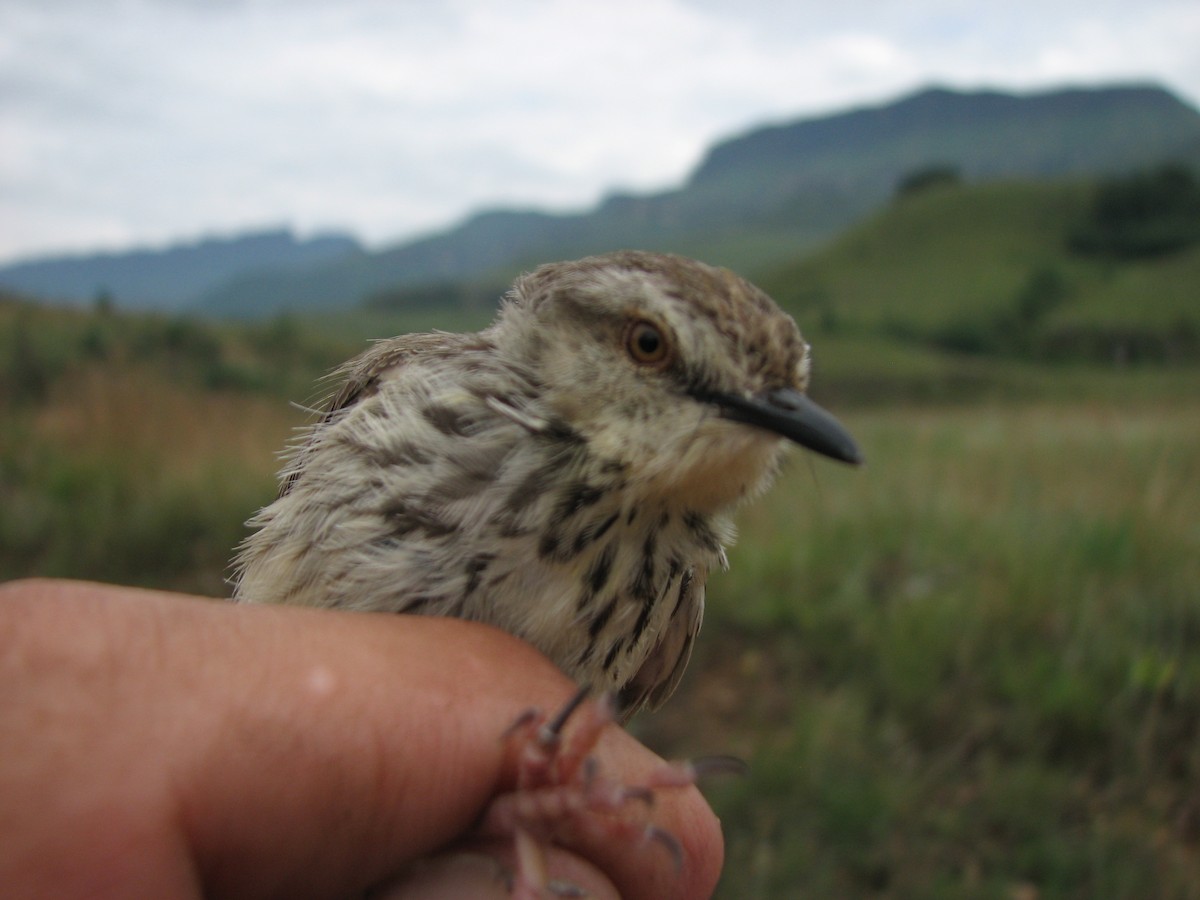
(792, 415)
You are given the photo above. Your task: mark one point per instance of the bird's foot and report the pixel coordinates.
(561, 794)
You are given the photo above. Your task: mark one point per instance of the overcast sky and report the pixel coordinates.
(128, 122)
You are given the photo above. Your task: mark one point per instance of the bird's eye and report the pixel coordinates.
(646, 343)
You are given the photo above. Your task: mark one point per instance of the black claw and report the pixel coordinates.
(668, 841)
(591, 768)
(565, 889)
(645, 794)
(718, 765)
(523, 719)
(555, 726)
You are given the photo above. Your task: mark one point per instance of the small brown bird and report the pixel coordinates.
(567, 474)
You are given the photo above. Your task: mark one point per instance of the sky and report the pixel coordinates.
(143, 122)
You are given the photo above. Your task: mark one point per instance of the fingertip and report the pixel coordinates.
(648, 869)
(703, 846)
(485, 870)
(450, 876)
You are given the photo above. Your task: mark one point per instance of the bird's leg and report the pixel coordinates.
(561, 793)
(544, 757)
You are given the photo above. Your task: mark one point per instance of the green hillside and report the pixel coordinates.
(990, 269)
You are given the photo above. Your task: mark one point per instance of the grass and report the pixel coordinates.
(122, 476)
(969, 669)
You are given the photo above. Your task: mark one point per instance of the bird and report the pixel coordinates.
(567, 474)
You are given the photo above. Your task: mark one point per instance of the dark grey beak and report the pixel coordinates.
(792, 415)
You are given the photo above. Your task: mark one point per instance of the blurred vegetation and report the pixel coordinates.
(928, 178)
(1144, 214)
(996, 270)
(438, 296)
(968, 669)
(134, 445)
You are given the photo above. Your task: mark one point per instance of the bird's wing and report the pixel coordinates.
(659, 675)
(360, 379)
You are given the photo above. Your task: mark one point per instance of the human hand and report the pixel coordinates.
(161, 745)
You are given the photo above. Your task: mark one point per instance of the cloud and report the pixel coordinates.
(144, 120)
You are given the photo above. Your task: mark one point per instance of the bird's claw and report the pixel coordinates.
(561, 792)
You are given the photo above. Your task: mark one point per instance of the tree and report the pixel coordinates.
(1145, 214)
(927, 178)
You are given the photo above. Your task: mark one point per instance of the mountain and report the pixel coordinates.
(171, 278)
(776, 191)
(986, 134)
(839, 167)
(767, 195)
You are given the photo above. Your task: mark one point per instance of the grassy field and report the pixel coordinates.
(968, 669)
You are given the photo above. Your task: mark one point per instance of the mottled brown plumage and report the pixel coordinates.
(566, 474)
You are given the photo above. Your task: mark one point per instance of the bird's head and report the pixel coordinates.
(687, 374)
